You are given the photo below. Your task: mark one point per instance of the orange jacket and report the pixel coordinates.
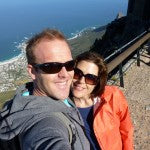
(112, 124)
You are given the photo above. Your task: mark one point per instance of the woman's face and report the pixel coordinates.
(80, 88)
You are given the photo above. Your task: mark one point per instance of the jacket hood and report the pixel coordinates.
(22, 112)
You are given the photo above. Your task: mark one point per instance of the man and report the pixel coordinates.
(30, 115)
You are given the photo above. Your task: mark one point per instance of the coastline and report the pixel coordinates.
(78, 34)
(11, 60)
(84, 37)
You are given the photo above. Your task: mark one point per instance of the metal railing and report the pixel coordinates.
(134, 45)
(124, 46)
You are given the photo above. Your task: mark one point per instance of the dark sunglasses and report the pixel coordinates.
(89, 78)
(55, 67)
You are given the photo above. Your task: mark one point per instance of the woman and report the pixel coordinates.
(104, 109)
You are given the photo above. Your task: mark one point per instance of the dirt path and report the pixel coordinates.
(137, 92)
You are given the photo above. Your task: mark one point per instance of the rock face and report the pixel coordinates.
(138, 18)
(124, 29)
(139, 9)
(112, 39)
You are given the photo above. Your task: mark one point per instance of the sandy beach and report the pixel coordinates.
(12, 60)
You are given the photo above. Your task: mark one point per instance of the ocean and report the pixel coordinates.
(20, 19)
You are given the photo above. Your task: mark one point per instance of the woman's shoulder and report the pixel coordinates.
(111, 92)
(110, 89)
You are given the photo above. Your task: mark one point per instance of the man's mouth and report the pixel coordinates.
(62, 85)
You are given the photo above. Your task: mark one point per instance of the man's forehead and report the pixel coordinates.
(52, 51)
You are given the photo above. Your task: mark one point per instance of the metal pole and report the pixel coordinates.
(138, 57)
(121, 75)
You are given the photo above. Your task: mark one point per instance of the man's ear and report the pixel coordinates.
(32, 72)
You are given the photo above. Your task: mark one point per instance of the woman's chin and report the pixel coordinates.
(77, 94)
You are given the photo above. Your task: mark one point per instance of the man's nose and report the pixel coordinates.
(63, 72)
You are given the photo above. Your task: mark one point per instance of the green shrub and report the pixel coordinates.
(4, 96)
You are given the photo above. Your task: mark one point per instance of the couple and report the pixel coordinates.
(103, 122)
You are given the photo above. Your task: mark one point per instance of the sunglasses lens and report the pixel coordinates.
(91, 79)
(55, 67)
(50, 68)
(77, 74)
(69, 65)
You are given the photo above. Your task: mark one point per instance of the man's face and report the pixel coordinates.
(55, 85)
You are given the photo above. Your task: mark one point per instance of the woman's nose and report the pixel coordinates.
(82, 79)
